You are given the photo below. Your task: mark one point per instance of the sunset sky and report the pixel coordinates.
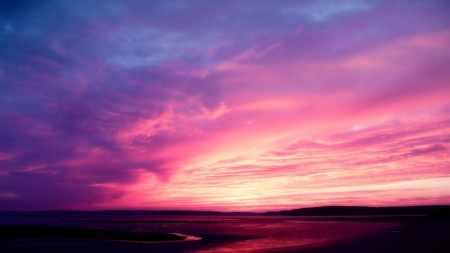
(223, 105)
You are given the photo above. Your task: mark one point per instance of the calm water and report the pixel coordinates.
(229, 234)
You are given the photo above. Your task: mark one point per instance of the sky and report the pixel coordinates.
(223, 105)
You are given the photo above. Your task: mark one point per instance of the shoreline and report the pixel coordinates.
(14, 233)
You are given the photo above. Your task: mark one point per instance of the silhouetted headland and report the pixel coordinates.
(329, 213)
(436, 210)
(364, 213)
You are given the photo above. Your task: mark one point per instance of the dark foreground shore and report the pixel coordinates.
(411, 236)
(15, 233)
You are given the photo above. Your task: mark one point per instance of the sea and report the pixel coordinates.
(230, 233)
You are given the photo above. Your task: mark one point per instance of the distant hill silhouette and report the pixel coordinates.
(364, 210)
(438, 210)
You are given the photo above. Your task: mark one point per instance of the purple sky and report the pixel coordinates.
(223, 105)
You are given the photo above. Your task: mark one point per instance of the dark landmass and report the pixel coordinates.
(143, 221)
(207, 243)
(10, 233)
(344, 213)
(429, 211)
(437, 210)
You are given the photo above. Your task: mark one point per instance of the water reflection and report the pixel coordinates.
(226, 234)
